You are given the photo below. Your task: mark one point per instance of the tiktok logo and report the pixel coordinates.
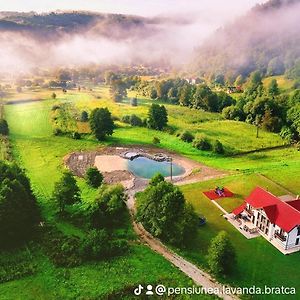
(138, 291)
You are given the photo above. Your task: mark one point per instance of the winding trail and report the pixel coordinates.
(192, 271)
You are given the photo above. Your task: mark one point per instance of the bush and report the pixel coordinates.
(136, 121)
(126, 119)
(133, 120)
(76, 135)
(57, 131)
(221, 255)
(55, 107)
(186, 136)
(84, 116)
(96, 245)
(63, 251)
(16, 265)
(99, 245)
(4, 127)
(93, 177)
(202, 144)
(53, 96)
(218, 147)
(155, 140)
(133, 102)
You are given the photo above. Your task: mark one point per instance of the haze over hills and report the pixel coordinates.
(265, 39)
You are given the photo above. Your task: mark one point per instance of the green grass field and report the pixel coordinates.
(41, 154)
(258, 262)
(236, 136)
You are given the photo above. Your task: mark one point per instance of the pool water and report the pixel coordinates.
(147, 168)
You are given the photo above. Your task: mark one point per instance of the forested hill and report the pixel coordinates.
(56, 24)
(266, 39)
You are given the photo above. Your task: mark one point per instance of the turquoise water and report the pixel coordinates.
(147, 168)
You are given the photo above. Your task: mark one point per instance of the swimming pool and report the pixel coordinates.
(147, 168)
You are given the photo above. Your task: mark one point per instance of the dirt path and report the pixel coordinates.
(192, 271)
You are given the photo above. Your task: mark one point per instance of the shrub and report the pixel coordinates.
(76, 135)
(221, 255)
(55, 107)
(202, 144)
(96, 245)
(64, 251)
(126, 119)
(133, 101)
(186, 136)
(99, 245)
(57, 131)
(4, 127)
(218, 147)
(84, 116)
(53, 96)
(155, 140)
(135, 121)
(16, 265)
(93, 177)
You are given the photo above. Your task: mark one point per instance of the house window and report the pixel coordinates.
(297, 241)
(298, 233)
(267, 230)
(268, 222)
(256, 223)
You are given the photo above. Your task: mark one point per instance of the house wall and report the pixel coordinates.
(272, 228)
(292, 238)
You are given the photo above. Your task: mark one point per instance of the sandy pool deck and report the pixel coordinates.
(110, 163)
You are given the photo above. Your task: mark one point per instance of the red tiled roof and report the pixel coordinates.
(283, 214)
(239, 209)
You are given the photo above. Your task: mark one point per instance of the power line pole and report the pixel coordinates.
(171, 166)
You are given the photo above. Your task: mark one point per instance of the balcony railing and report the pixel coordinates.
(280, 236)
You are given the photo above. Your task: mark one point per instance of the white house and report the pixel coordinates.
(276, 218)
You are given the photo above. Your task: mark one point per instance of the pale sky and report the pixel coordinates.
(136, 7)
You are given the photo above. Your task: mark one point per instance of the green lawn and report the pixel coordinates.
(94, 280)
(41, 154)
(258, 262)
(236, 136)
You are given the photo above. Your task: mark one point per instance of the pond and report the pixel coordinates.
(147, 168)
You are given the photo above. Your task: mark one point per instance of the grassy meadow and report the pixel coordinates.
(258, 262)
(41, 154)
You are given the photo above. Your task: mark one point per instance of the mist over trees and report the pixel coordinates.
(266, 39)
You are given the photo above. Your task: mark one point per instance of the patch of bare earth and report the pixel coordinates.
(79, 162)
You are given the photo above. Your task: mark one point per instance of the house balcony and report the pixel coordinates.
(249, 212)
(279, 236)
